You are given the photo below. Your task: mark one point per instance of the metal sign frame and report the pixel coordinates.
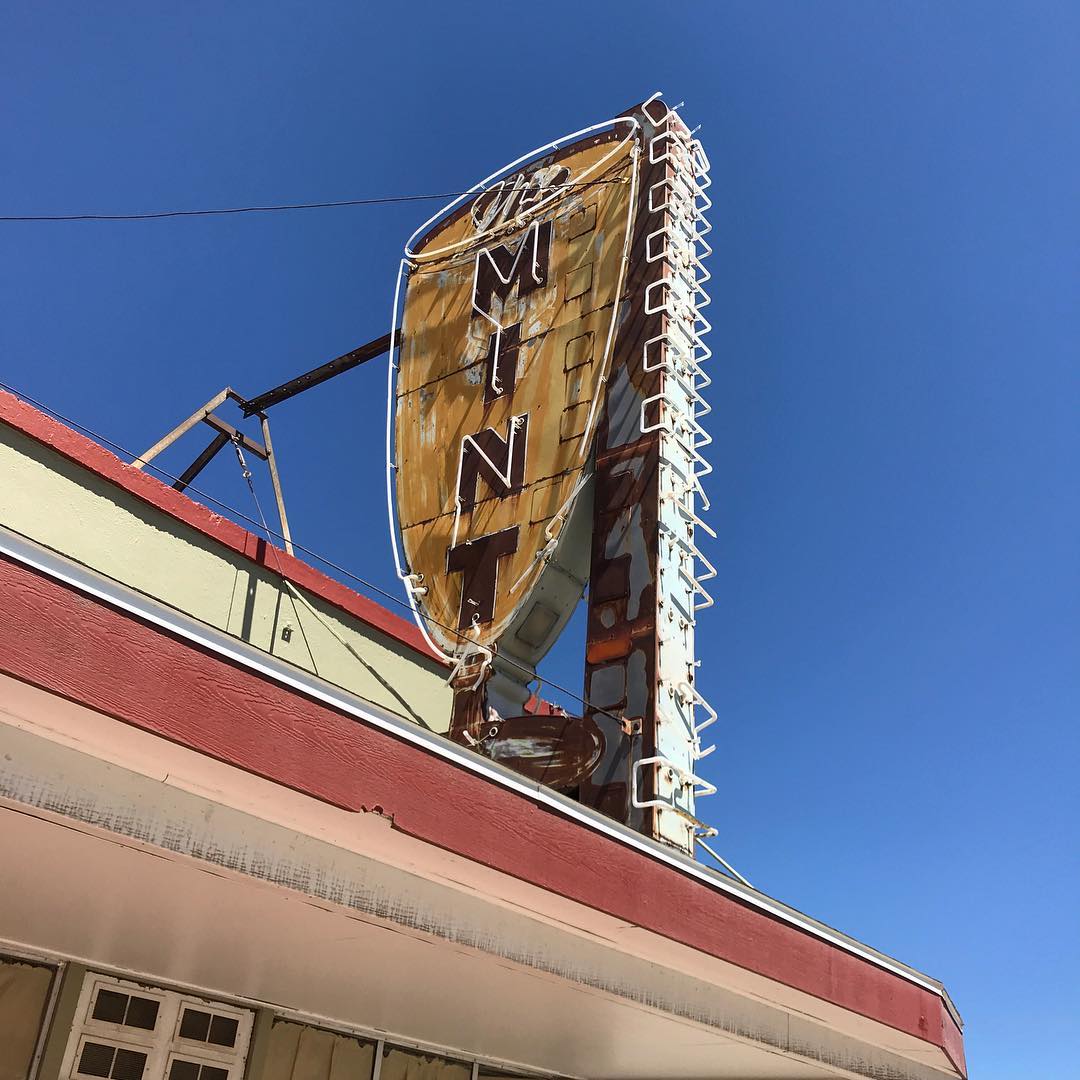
(639, 740)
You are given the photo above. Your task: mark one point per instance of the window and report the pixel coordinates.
(124, 1031)
(208, 1027)
(126, 1010)
(117, 1062)
(182, 1069)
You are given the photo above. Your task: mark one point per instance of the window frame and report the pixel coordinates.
(163, 1044)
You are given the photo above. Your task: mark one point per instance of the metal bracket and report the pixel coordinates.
(687, 780)
(225, 433)
(256, 406)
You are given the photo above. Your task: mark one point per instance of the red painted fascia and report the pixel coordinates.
(103, 463)
(84, 650)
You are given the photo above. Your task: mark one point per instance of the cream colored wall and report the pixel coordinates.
(62, 506)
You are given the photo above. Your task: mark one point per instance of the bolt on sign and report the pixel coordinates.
(545, 406)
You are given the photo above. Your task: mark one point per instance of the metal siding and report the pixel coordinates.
(77, 513)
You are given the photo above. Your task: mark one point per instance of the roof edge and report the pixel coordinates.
(85, 452)
(237, 652)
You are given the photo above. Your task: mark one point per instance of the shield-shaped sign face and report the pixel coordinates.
(508, 324)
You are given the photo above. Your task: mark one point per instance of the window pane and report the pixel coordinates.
(110, 1006)
(96, 1059)
(141, 1013)
(223, 1031)
(195, 1025)
(129, 1065)
(212, 1072)
(184, 1070)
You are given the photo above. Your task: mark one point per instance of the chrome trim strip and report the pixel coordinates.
(27, 552)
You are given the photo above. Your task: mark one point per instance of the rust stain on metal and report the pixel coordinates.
(524, 365)
(605, 648)
(622, 642)
(559, 751)
(501, 358)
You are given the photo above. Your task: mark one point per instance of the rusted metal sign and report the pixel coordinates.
(545, 437)
(506, 334)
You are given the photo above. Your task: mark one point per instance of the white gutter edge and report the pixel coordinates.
(47, 562)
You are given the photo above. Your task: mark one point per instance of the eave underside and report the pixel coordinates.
(152, 859)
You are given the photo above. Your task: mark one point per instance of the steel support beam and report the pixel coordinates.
(317, 375)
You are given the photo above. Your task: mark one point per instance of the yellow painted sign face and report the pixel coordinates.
(508, 325)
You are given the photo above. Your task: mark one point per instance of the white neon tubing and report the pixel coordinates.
(698, 784)
(514, 423)
(481, 187)
(390, 466)
(616, 302)
(552, 539)
(391, 469)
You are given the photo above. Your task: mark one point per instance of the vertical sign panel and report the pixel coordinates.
(505, 338)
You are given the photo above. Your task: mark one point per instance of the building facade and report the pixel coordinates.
(237, 844)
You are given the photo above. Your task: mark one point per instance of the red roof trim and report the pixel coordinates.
(103, 463)
(75, 646)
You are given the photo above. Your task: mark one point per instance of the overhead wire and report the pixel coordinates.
(154, 215)
(295, 594)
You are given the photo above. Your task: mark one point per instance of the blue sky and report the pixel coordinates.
(895, 651)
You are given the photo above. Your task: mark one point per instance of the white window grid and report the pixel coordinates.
(164, 1044)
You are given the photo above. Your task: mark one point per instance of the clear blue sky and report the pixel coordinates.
(895, 650)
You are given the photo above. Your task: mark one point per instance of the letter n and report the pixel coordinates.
(501, 462)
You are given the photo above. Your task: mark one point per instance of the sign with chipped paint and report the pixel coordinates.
(546, 413)
(507, 327)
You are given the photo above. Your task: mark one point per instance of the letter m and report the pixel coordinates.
(500, 269)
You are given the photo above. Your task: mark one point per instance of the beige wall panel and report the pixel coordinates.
(300, 1052)
(24, 994)
(58, 504)
(404, 1065)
